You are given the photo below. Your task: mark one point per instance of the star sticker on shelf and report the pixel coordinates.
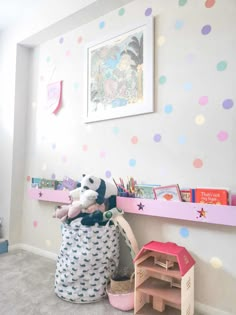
(140, 206)
(202, 213)
(40, 194)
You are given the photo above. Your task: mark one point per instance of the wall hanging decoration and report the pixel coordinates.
(54, 97)
(119, 74)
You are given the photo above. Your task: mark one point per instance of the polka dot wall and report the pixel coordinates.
(189, 137)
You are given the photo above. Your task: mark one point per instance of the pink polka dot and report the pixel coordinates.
(64, 158)
(102, 154)
(79, 40)
(28, 178)
(85, 147)
(197, 163)
(203, 100)
(68, 53)
(222, 136)
(209, 3)
(134, 139)
(35, 224)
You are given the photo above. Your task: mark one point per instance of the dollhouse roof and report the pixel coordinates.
(185, 260)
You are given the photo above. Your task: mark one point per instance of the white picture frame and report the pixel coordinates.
(119, 74)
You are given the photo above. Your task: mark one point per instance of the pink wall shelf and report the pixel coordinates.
(60, 196)
(206, 213)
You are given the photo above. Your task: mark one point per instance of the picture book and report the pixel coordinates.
(167, 193)
(212, 196)
(144, 191)
(188, 194)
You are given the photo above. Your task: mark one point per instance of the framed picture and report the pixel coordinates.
(119, 74)
(167, 193)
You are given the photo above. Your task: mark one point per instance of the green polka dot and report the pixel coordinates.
(48, 59)
(162, 79)
(221, 66)
(121, 11)
(182, 2)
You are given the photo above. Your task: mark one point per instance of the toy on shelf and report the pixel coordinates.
(164, 278)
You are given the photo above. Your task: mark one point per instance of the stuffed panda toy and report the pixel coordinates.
(106, 190)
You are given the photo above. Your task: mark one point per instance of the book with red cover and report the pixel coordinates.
(212, 196)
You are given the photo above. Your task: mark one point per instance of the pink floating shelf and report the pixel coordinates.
(60, 196)
(206, 213)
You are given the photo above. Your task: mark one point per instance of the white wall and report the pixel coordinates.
(62, 145)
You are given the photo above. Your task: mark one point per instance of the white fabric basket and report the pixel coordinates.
(88, 257)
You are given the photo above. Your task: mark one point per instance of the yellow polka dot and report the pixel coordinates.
(161, 41)
(48, 243)
(200, 120)
(216, 263)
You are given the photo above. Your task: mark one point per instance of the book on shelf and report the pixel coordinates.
(145, 191)
(218, 196)
(167, 193)
(187, 194)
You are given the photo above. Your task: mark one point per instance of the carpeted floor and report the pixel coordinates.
(27, 288)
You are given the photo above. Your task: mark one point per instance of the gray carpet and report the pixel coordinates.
(27, 288)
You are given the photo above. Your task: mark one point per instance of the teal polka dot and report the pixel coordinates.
(101, 24)
(221, 66)
(132, 162)
(184, 232)
(121, 12)
(48, 59)
(76, 85)
(115, 130)
(162, 79)
(182, 2)
(168, 108)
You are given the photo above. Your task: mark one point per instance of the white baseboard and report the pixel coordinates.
(202, 309)
(34, 250)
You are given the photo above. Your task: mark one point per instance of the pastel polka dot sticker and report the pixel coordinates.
(199, 120)
(206, 29)
(184, 232)
(188, 86)
(168, 109)
(53, 176)
(115, 130)
(162, 79)
(161, 41)
(85, 147)
(48, 243)
(182, 139)
(134, 140)
(54, 146)
(121, 12)
(216, 263)
(101, 24)
(28, 178)
(157, 137)
(228, 103)
(35, 223)
(179, 24)
(64, 158)
(209, 3)
(76, 85)
(79, 39)
(103, 154)
(203, 100)
(61, 40)
(221, 66)
(148, 11)
(132, 162)
(182, 2)
(44, 167)
(68, 53)
(222, 135)
(108, 174)
(198, 163)
(48, 59)
(190, 58)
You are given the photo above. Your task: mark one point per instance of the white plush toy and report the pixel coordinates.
(104, 188)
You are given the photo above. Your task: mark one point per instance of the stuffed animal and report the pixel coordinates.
(105, 189)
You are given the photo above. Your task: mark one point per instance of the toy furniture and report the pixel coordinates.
(164, 279)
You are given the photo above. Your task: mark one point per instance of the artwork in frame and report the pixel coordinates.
(119, 74)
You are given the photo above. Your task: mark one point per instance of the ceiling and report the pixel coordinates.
(12, 11)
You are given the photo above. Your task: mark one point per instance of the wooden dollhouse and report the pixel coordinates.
(164, 280)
